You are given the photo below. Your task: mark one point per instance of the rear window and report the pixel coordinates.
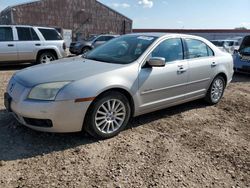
(50, 34)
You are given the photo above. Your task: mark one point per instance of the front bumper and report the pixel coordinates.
(75, 50)
(66, 116)
(241, 65)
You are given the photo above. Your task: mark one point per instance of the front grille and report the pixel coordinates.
(46, 123)
(245, 58)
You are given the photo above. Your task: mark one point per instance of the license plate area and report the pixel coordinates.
(7, 102)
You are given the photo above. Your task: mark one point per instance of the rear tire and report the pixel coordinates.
(216, 90)
(108, 115)
(45, 57)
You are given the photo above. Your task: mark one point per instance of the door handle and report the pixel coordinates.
(10, 45)
(38, 44)
(181, 69)
(213, 64)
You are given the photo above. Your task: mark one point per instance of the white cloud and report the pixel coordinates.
(120, 5)
(245, 24)
(180, 22)
(146, 3)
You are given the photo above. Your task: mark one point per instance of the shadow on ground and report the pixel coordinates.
(14, 67)
(241, 78)
(19, 142)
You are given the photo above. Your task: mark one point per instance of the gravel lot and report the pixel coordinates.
(191, 145)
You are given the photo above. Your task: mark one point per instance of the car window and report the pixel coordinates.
(107, 38)
(50, 34)
(33, 34)
(101, 38)
(24, 34)
(170, 49)
(6, 34)
(197, 49)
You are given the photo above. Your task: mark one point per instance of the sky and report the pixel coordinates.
(178, 14)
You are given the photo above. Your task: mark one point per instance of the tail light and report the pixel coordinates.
(64, 46)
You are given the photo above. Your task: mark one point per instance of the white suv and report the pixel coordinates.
(30, 44)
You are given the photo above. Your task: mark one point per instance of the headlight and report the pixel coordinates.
(46, 91)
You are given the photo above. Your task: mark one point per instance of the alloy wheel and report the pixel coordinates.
(217, 90)
(110, 116)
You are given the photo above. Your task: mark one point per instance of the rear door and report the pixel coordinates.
(28, 43)
(8, 48)
(201, 62)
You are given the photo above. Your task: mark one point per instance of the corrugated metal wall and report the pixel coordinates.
(83, 17)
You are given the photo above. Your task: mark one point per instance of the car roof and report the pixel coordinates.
(159, 35)
(227, 40)
(26, 26)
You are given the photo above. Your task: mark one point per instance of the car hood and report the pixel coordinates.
(69, 69)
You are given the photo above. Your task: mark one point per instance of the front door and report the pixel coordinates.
(163, 86)
(8, 48)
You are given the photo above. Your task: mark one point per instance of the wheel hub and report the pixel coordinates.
(110, 116)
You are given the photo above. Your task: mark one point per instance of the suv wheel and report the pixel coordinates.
(46, 57)
(216, 90)
(108, 115)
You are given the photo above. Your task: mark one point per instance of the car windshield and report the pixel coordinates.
(245, 51)
(245, 46)
(91, 38)
(122, 50)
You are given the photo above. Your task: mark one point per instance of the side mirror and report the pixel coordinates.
(157, 62)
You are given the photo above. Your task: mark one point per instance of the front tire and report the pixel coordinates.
(216, 90)
(108, 115)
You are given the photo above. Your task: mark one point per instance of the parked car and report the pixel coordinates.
(84, 46)
(128, 76)
(227, 45)
(242, 57)
(30, 44)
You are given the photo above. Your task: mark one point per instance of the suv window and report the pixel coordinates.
(197, 49)
(170, 49)
(26, 34)
(50, 34)
(33, 34)
(6, 34)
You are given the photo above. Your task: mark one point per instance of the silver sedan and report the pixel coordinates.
(128, 76)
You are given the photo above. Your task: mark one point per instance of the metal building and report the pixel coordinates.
(83, 17)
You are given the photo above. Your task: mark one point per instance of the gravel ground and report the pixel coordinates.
(191, 145)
